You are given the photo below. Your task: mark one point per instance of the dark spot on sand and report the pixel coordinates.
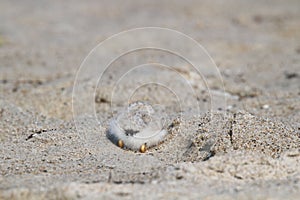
(101, 100)
(291, 75)
(258, 19)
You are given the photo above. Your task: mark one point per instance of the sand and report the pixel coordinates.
(51, 149)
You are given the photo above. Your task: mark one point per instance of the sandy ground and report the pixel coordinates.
(250, 151)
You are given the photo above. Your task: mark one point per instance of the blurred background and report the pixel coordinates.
(42, 43)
